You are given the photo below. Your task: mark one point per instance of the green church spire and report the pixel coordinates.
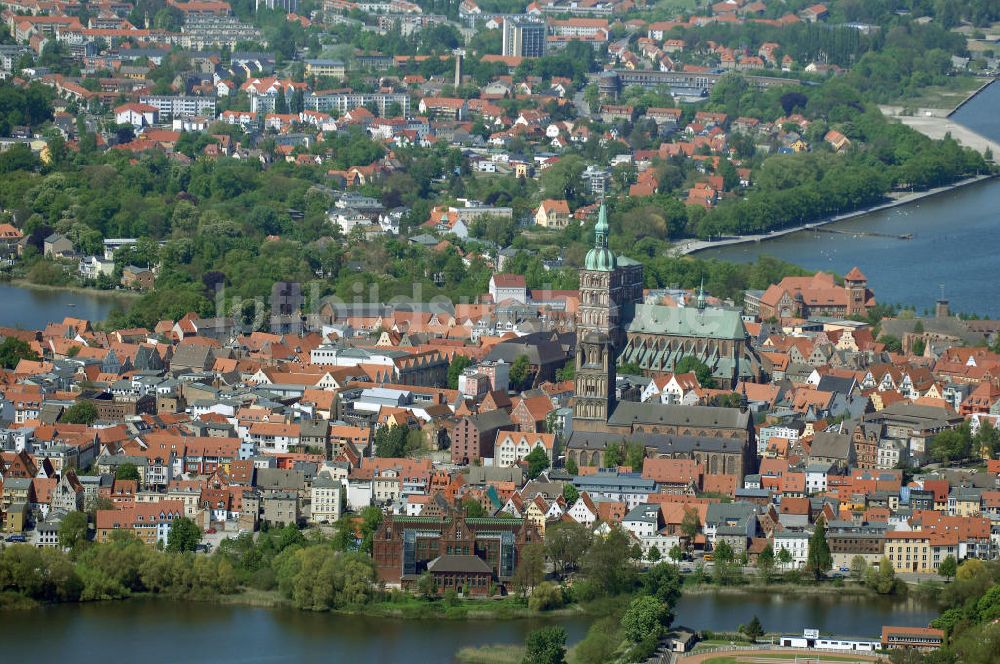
(600, 257)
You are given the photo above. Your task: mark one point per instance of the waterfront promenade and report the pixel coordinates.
(688, 247)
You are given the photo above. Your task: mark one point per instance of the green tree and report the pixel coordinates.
(600, 643)
(918, 347)
(570, 493)
(654, 555)
(643, 619)
(530, 569)
(473, 508)
(127, 471)
(676, 553)
(538, 461)
(725, 570)
(630, 369)
(663, 581)
(567, 372)
(519, 371)
(391, 441)
(635, 455)
(614, 455)
(952, 445)
(948, 567)
(690, 363)
(458, 364)
(723, 552)
(690, 524)
(571, 467)
(546, 596)
(566, 543)
(858, 568)
(184, 535)
(73, 530)
(371, 519)
(608, 563)
(765, 563)
(13, 350)
(892, 344)
(563, 180)
(498, 230)
(882, 578)
(819, 560)
(344, 538)
(730, 177)
(545, 646)
(987, 440)
(753, 629)
(81, 412)
(784, 557)
(427, 586)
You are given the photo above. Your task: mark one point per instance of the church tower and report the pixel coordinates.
(598, 330)
(856, 285)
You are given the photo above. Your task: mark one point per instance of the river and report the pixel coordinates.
(161, 631)
(34, 308)
(954, 248)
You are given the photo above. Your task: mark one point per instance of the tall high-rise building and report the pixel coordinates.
(524, 36)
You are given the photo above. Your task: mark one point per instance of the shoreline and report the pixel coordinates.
(972, 96)
(692, 247)
(822, 590)
(415, 609)
(82, 290)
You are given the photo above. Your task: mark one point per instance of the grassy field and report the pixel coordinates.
(675, 7)
(939, 96)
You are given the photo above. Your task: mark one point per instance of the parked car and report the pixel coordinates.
(17, 538)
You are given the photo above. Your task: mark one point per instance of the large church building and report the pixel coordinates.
(614, 325)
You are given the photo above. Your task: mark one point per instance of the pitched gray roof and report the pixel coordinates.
(831, 446)
(277, 478)
(461, 564)
(629, 412)
(491, 419)
(192, 356)
(664, 443)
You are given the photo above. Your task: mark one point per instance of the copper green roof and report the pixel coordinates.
(600, 258)
(493, 521)
(710, 323)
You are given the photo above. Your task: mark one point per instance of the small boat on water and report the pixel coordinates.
(71, 304)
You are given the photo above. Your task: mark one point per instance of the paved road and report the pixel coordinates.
(582, 107)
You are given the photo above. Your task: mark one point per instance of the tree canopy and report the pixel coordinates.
(13, 350)
(184, 535)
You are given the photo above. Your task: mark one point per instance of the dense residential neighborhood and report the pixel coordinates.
(770, 430)
(406, 312)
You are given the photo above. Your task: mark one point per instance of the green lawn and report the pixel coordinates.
(939, 96)
(674, 7)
